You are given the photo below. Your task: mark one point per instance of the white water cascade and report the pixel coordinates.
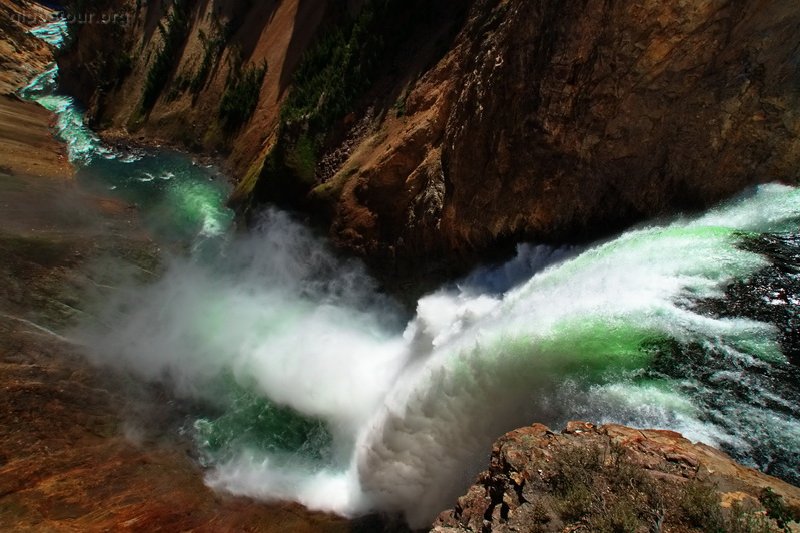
(407, 413)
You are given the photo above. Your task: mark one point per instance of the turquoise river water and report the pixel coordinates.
(323, 391)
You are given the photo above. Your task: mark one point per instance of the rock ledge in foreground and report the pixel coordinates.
(615, 478)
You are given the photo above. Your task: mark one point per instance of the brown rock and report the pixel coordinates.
(586, 477)
(542, 120)
(27, 146)
(22, 55)
(560, 121)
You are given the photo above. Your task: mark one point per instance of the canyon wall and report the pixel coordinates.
(108, 67)
(22, 55)
(448, 128)
(25, 127)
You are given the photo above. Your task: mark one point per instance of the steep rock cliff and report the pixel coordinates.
(478, 122)
(27, 146)
(615, 478)
(553, 120)
(207, 45)
(21, 54)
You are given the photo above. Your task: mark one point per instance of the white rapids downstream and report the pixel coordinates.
(322, 391)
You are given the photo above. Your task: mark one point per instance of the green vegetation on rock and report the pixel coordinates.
(213, 45)
(334, 73)
(609, 493)
(173, 35)
(241, 95)
(338, 68)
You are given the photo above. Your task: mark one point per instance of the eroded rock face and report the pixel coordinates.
(589, 478)
(108, 65)
(574, 116)
(21, 54)
(519, 120)
(553, 120)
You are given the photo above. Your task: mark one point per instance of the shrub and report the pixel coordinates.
(173, 36)
(777, 509)
(212, 49)
(336, 70)
(241, 96)
(332, 75)
(603, 490)
(699, 506)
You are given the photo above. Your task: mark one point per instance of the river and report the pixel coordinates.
(318, 388)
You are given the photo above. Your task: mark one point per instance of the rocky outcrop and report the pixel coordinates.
(27, 146)
(556, 121)
(21, 54)
(615, 478)
(519, 120)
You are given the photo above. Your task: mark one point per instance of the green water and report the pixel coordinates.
(179, 199)
(688, 325)
(249, 421)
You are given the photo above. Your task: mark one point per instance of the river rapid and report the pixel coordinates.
(314, 386)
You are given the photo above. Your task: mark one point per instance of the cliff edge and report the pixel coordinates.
(614, 478)
(441, 130)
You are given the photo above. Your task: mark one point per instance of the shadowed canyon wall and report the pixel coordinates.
(464, 124)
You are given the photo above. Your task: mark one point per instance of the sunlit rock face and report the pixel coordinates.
(571, 118)
(522, 490)
(559, 120)
(518, 119)
(21, 54)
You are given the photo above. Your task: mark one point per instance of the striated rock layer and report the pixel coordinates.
(24, 127)
(108, 66)
(21, 54)
(615, 478)
(491, 121)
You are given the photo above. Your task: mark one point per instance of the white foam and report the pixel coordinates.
(413, 410)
